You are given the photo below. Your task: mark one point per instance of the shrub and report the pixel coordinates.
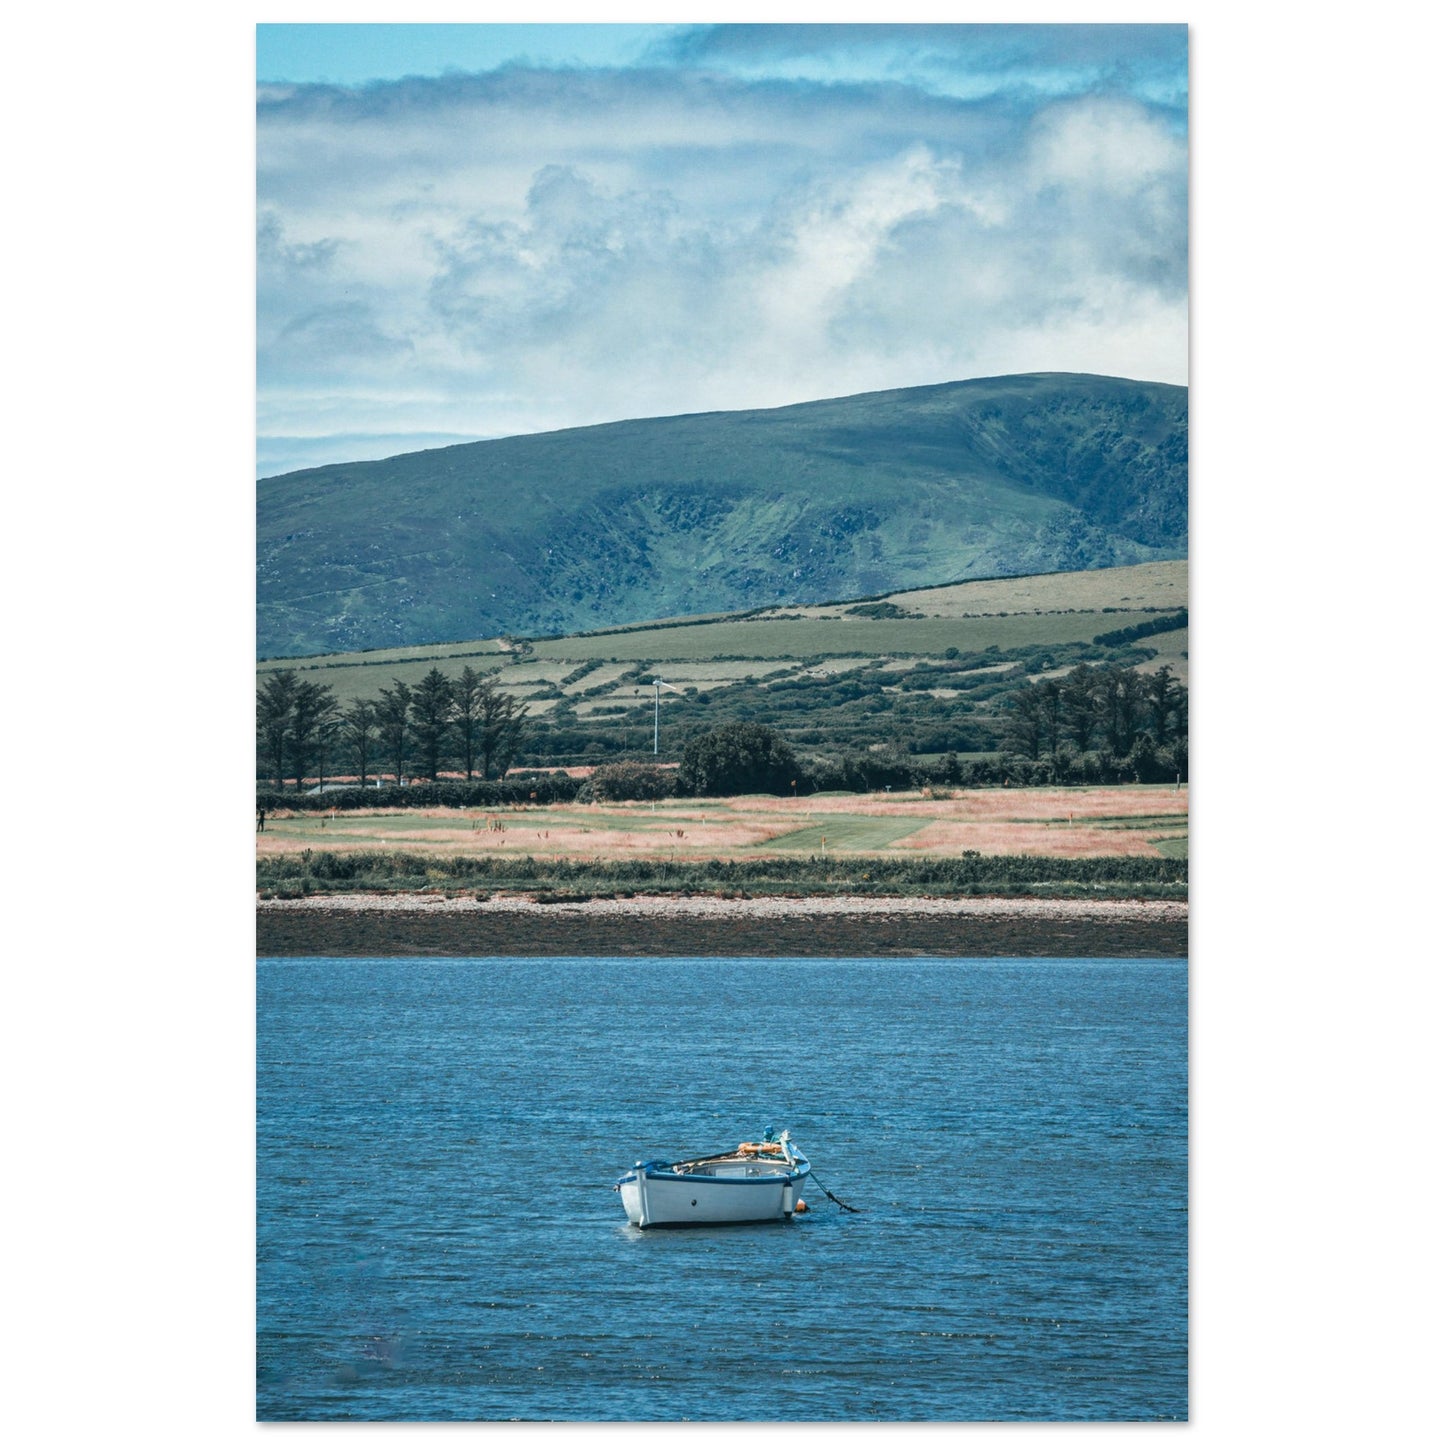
(628, 782)
(740, 757)
(1170, 622)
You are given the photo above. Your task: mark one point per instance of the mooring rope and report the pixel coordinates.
(831, 1195)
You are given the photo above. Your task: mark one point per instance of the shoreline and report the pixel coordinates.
(846, 926)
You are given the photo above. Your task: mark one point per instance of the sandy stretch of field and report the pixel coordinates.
(1051, 822)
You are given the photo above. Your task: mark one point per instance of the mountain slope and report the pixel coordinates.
(604, 525)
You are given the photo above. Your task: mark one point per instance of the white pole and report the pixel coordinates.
(656, 711)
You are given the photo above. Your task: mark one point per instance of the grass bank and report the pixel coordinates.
(313, 871)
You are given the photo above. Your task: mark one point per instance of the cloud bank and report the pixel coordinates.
(483, 255)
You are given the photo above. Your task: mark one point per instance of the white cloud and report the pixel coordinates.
(835, 240)
(1108, 145)
(529, 250)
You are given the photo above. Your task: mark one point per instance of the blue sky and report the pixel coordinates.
(355, 54)
(471, 231)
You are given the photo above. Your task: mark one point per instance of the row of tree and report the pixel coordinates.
(302, 728)
(1110, 707)
(1097, 722)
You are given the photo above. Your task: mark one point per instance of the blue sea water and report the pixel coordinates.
(438, 1238)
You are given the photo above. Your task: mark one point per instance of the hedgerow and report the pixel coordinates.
(969, 873)
(498, 793)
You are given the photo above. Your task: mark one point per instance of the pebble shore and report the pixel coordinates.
(372, 925)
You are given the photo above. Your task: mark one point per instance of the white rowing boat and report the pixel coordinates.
(750, 1184)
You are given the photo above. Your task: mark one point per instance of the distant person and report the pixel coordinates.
(260, 820)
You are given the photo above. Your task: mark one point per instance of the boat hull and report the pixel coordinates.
(656, 1196)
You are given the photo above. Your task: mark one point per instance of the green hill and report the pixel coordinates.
(609, 525)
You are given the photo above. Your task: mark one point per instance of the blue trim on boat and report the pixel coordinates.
(670, 1178)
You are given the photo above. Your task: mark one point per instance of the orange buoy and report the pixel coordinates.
(801, 1207)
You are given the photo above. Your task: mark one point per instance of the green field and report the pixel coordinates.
(809, 637)
(1053, 609)
(931, 680)
(847, 832)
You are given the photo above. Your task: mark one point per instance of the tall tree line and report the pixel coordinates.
(415, 730)
(1135, 720)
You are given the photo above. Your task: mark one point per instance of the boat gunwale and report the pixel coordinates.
(685, 1171)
